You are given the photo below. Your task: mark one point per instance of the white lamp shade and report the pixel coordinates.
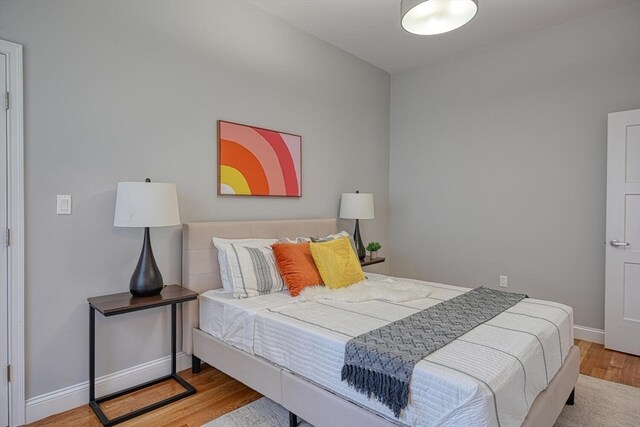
(146, 204)
(356, 206)
(429, 17)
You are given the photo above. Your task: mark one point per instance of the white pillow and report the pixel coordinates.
(296, 240)
(253, 271)
(334, 237)
(222, 245)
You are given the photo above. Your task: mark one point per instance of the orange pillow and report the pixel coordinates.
(296, 266)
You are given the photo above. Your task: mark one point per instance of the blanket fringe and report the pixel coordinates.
(390, 391)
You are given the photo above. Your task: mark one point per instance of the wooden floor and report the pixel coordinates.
(218, 393)
(597, 361)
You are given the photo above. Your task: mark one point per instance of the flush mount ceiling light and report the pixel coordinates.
(429, 17)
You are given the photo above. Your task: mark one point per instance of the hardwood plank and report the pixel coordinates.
(618, 360)
(604, 359)
(634, 377)
(584, 347)
(598, 372)
(123, 405)
(615, 375)
(590, 359)
(218, 393)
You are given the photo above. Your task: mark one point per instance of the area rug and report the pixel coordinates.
(601, 403)
(598, 403)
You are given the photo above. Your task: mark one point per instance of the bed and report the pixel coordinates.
(253, 359)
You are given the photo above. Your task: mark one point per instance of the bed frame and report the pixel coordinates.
(318, 406)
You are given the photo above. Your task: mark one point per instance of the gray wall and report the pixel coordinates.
(118, 91)
(498, 161)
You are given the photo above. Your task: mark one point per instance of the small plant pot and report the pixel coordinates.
(373, 254)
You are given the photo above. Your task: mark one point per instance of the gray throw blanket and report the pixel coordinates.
(379, 363)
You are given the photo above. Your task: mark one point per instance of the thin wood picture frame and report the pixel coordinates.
(254, 161)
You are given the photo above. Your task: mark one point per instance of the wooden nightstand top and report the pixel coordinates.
(110, 305)
(370, 261)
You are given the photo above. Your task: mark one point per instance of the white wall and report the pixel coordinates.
(498, 161)
(118, 91)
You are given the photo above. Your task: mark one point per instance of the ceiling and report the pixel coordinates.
(370, 29)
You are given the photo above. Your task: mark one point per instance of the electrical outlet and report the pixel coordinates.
(503, 281)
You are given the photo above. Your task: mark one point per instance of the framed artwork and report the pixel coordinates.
(254, 161)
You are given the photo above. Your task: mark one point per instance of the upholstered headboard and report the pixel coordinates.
(200, 269)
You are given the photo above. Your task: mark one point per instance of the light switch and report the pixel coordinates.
(63, 204)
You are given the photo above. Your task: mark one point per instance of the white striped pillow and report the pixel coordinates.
(253, 271)
(222, 244)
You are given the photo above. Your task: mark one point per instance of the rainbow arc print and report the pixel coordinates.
(258, 162)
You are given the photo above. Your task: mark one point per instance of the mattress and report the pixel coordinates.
(488, 377)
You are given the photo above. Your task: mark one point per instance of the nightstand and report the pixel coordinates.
(370, 261)
(115, 304)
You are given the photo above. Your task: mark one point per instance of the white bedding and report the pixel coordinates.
(488, 377)
(231, 319)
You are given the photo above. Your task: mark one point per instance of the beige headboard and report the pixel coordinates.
(200, 270)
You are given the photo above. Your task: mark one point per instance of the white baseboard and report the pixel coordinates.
(57, 401)
(588, 334)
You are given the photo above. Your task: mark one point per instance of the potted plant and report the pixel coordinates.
(373, 248)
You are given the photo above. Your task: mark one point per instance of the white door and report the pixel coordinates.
(4, 275)
(622, 295)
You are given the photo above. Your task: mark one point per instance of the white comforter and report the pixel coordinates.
(488, 377)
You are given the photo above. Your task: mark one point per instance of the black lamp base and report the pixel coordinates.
(360, 250)
(146, 279)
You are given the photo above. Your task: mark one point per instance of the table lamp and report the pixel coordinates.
(357, 206)
(146, 204)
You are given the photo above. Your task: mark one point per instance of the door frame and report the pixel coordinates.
(15, 220)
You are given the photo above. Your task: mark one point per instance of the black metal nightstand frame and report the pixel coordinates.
(111, 305)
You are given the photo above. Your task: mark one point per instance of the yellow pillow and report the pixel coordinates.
(337, 263)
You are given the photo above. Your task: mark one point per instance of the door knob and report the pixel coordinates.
(617, 242)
